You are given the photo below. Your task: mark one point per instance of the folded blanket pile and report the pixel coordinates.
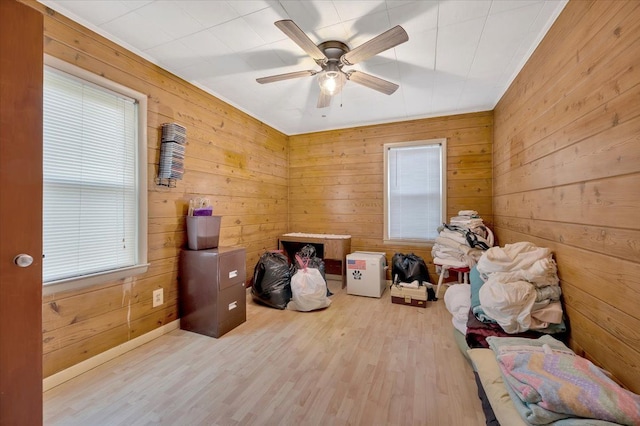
(549, 383)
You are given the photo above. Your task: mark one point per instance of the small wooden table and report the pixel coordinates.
(329, 247)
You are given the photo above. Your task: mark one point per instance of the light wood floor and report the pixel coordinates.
(362, 361)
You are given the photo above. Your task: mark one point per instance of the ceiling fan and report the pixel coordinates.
(332, 55)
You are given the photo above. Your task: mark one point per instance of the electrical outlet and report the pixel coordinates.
(158, 297)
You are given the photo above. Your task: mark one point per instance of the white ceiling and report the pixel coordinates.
(461, 55)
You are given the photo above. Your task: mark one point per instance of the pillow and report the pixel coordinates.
(488, 370)
(457, 301)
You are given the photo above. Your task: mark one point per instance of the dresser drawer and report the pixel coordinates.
(232, 309)
(231, 269)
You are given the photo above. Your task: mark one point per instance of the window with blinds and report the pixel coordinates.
(94, 178)
(415, 190)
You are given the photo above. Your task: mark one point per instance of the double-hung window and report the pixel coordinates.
(94, 178)
(415, 190)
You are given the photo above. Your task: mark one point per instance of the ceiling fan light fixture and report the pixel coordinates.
(332, 55)
(331, 82)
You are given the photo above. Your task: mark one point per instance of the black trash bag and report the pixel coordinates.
(272, 280)
(407, 268)
(431, 294)
(308, 252)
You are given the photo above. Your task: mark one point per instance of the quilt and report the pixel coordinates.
(553, 385)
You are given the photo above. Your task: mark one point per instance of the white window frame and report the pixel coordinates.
(443, 189)
(141, 264)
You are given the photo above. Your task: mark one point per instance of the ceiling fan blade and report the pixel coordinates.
(286, 76)
(324, 100)
(388, 39)
(294, 32)
(372, 82)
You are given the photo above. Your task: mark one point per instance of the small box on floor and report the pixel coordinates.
(409, 296)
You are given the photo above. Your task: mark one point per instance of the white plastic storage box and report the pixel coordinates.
(366, 273)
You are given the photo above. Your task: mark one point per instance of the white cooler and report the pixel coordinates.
(366, 273)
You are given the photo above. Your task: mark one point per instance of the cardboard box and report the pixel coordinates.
(409, 296)
(203, 232)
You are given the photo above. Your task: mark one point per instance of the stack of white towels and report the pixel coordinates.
(461, 242)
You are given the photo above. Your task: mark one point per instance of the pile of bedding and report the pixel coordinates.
(520, 289)
(513, 290)
(462, 241)
(549, 383)
(513, 308)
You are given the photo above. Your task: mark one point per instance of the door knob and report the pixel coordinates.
(23, 260)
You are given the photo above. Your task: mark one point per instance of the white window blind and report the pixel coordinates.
(415, 190)
(90, 172)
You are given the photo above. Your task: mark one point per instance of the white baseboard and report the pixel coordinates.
(86, 365)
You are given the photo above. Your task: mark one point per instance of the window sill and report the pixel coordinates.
(91, 280)
(417, 243)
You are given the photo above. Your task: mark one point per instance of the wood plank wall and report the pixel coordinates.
(336, 177)
(232, 158)
(567, 173)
